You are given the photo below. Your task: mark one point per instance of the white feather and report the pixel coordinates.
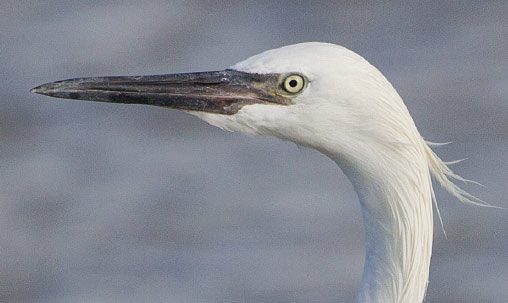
(352, 114)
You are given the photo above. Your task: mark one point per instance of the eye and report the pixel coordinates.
(293, 84)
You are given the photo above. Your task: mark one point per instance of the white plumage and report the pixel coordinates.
(326, 97)
(352, 114)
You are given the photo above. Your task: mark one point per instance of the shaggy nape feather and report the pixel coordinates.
(443, 174)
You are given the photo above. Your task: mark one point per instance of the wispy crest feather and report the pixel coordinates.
(444, 176)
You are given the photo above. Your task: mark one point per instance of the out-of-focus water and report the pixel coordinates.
(117, 203)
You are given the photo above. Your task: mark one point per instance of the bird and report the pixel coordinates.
(329, 98)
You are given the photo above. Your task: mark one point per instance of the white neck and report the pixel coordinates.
(397, 211)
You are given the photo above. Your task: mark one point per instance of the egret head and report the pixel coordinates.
(329, 98)
(307, 93)
(335, 101)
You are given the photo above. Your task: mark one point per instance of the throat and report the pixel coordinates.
(397, 213)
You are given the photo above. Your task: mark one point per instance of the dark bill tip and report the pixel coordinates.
(59, 89)
(41, 89)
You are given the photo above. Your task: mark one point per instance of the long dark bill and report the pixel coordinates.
(222, 92)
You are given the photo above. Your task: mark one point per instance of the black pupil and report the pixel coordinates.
(293, 83)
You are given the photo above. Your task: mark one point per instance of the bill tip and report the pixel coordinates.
(38, 89)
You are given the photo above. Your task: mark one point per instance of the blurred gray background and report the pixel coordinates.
(118, 203)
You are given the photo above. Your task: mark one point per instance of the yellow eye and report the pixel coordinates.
(294, 84)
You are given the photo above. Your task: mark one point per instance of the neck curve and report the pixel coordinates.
(397, 212)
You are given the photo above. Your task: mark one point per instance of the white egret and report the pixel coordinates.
(326, 97)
